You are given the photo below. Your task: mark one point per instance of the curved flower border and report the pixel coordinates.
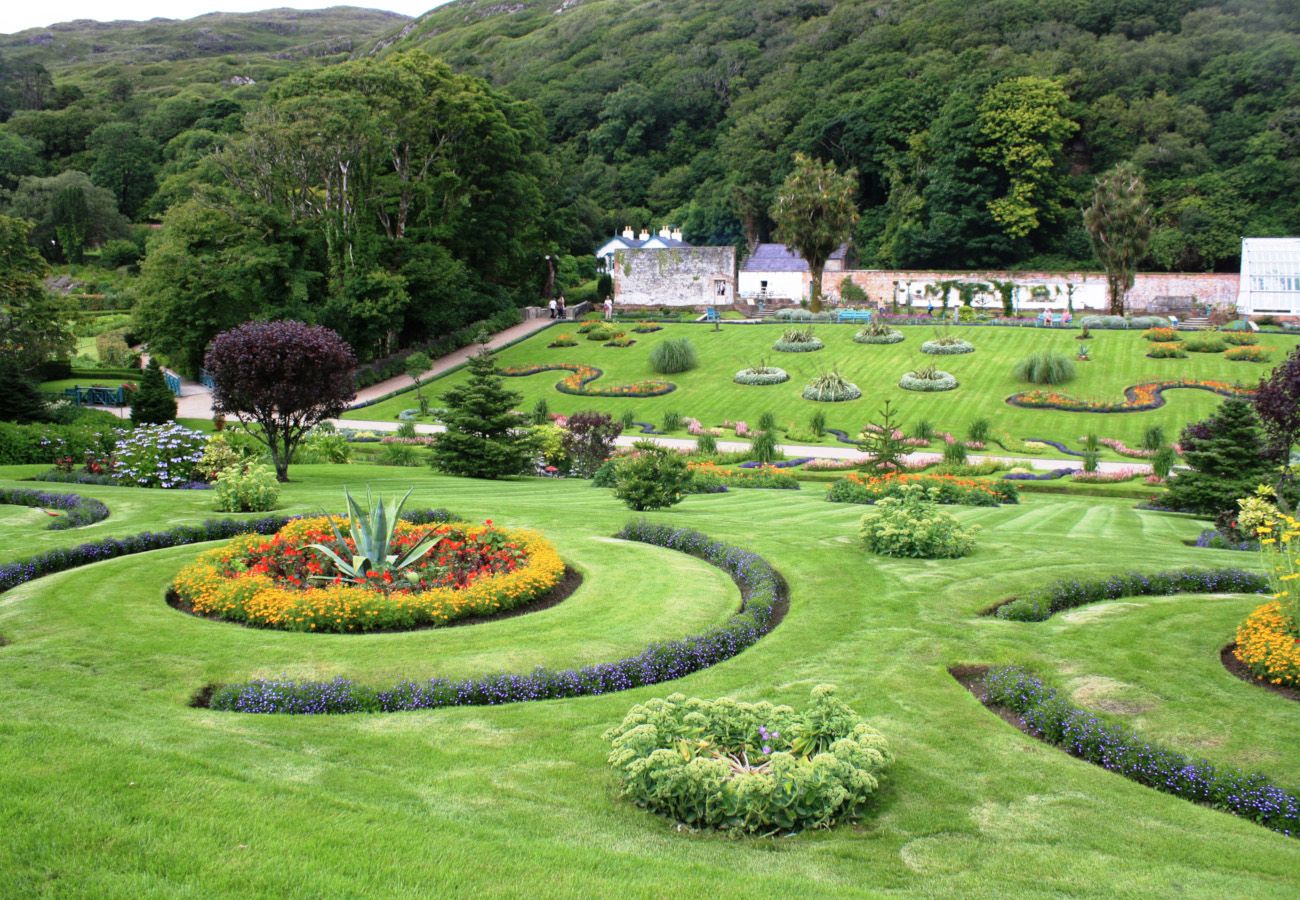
(259, 600)
(1137, 398)
(763, 603)
(576, 384)
(80, 510)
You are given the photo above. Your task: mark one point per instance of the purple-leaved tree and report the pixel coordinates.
(287, 377)
(1277, 403)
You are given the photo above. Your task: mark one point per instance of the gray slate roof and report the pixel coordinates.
(780, 258)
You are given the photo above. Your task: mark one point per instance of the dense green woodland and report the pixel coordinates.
(427, 196)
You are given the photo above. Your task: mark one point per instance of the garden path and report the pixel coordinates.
(790, 450)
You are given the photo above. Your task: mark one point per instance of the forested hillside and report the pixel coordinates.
(976, 128)
(330, 166)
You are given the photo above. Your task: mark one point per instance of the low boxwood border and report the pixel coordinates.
(1070, 593)
(80, 510)
(1044, 714)
(763, 604)
(64, 558)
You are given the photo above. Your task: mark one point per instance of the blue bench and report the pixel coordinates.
(711, 314)
(854, 315)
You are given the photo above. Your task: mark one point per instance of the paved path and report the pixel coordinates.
(790, 450)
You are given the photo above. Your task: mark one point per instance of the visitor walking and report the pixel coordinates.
(553, 307)
(609, 309)
(560, 307)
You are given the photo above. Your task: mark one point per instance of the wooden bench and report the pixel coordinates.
(853, 315)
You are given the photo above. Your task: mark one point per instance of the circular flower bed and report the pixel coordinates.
(798, 346)
(831, 387)
(647, 329)
(749, 767)
(1268, 644)
(866, 337)
(948, 347)
(282, 582)
(761, 375)
(941, 381)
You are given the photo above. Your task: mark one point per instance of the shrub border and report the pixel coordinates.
(1042, 713)
(81, 510)
(1071, 593)
(764, 602)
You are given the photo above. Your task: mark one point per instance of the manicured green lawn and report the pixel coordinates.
(111, 785)
(708, 393)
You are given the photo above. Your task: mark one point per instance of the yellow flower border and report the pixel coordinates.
(257, 600)
(1267, 645)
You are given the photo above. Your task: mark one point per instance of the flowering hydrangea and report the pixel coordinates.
(165, 456)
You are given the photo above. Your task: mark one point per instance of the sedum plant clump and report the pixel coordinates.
(910, 524)
(246, 488)
(753, 768)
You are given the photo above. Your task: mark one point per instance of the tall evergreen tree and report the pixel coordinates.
(485, 438)
(20, 400)
(1228, 460)
(154, 402)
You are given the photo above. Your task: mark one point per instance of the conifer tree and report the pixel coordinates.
(485, 438)
(154, 402)
(1228, 460)
(20, 400)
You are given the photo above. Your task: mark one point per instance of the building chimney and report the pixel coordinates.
(645, 234)
(665, 232)
(677, 234)
(628, 232)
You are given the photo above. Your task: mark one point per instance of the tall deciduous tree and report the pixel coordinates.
(1119, 224)
(286, 377)
(1023, 124)
(815, 213)
(69, 213)
(484, 437)
(33, 323)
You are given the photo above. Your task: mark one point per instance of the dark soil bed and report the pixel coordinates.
(1238, 668)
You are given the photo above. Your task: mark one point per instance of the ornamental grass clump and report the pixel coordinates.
(798, 340)
(912, 525)
(831, 387)
(1045, 367)
(673, 355)
(752, 768)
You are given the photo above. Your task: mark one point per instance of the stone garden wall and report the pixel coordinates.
(682, 276)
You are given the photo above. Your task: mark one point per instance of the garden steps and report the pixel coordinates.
(1198, 323)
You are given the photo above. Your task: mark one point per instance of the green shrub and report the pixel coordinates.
(673, 355)
(154, 403)
(706, 444)
(817, 423)
(241, 488)
(749, 767)
(321, 446)
(979, 430)
(909, 525)
(954, 454)
(628, 419)
(923, 430)
(406, 429)
(600, 333)
(398, 455)
(767, 422)
(1205, 343)
(672, 421)
(220, 454)
(1163, 461)
(113, 350)
(1045, 367)
(1153, 438)
(655, 478)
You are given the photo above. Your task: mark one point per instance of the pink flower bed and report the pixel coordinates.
(1127, 473)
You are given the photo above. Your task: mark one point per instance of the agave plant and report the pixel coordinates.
(372, 538)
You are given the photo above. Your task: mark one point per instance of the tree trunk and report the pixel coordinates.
(815, 301)
(1116, 284)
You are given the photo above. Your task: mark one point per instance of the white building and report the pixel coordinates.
(1270, 277)
(775, 270)
(630, 240)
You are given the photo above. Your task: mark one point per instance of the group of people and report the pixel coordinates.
(1064, 318)
(558, 310)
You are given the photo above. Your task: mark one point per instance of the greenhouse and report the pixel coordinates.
(1270, 276)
